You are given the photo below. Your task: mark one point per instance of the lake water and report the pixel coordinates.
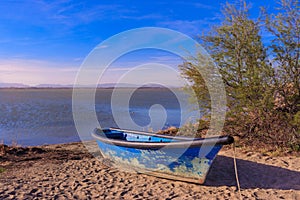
(44, 116)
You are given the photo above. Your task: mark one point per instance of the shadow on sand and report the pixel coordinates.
(251, 175)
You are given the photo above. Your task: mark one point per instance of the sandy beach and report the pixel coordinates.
(69, 171)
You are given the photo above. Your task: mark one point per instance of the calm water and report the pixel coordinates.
(44, 116)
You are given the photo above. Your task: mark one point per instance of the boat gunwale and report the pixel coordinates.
(153, 134)
(183, 143)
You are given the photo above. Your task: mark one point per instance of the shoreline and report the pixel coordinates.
(69, 171)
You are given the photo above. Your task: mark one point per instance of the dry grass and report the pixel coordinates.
(2, 169)
(253, 144)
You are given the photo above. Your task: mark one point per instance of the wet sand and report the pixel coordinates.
(69, 171)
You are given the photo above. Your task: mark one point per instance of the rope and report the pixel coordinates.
(236, 172)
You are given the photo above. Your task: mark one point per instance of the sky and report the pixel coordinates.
(45, 42)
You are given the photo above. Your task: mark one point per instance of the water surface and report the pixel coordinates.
(44, 116)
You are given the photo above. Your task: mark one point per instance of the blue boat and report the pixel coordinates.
(172, 157)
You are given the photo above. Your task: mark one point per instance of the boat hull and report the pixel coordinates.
(189, 164)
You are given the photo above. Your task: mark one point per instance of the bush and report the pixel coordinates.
(262, 93)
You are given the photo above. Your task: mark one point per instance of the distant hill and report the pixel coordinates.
(125, 85)
(13, 85)
(21, 85)
(105, 85)
(52, 86)
(128, 85)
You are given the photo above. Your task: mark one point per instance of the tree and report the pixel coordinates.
(285, 28)
(241, 58)
(262, 90)
(285, 47)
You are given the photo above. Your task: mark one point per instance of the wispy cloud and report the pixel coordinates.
(66, 12)
(102, 46)
(33, 72)
(144, 74)
(66, 30)
(191, 27)
(153, 16)
(119, 69)
(78, 59)
(5, 41)
(207, 6)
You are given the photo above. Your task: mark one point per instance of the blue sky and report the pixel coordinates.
(46, 41)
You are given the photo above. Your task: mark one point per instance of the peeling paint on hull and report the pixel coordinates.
(185, 163)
